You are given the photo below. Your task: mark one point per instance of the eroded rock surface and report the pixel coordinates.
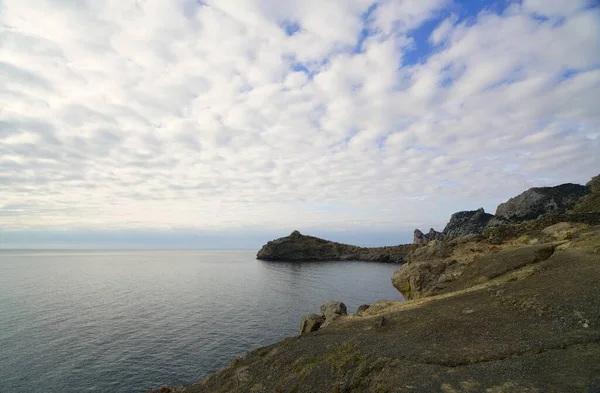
(311, 323)
(466, 223)
(541, 200)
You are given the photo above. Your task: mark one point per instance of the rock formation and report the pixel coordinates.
(523, 319)
(466, 223)
(420, 238)
(590, 203)
(494, 306)
(330, 311)
(541, 200)
(298, 247)
(311, 323)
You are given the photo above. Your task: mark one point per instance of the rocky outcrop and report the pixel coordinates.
(466, 223)
(332, 310)
(533, 228)
(298, 247)
(589, 203)
(518, 320)
(311, 323)
(541, 200)
(420, 238)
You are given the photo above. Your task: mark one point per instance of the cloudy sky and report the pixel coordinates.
(222, 123)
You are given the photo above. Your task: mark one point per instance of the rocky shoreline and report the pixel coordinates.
(298, 247)
(495, 303)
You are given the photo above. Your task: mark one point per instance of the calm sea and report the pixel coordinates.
(130, 321)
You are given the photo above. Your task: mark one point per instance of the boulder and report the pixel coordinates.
(362, 307)
(332, 310)
(311, 323)
(466, 223)
(538, 201)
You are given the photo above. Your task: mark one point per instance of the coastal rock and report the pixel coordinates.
(332, 310)
(531, 324)
(298, 247)
(466, 223)
(362, 307)
(419, 238)
(537, 201)
(311, 323)
(533, 228)
(435, 249)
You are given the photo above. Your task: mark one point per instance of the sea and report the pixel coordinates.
(132, 321)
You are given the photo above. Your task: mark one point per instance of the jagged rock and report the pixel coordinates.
(332, 310)
(466, 223)
(433, 234)
(420, 238)
(362, 307)
(311, 323)
(298, 247)
(541, 200)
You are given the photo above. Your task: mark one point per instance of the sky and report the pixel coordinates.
(225, 123)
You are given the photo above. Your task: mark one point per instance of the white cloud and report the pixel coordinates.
(122, 114)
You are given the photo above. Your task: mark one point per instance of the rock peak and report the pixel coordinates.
(295, 233)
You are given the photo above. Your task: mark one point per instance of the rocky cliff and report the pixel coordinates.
(517, 319)
(494, 305)
(298, 247)
(541, 200)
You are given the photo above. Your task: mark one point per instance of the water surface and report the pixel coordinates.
(129, 321)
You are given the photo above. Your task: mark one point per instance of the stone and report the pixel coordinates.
(466, 223)
(435, 249)
(362, 307)
(419, 238)
(311, 323)
(332, 310)
(538, 201)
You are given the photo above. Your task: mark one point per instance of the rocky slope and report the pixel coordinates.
(541, 200)
(526, 319)
(495, 305)
(298, 247)
(591, 202)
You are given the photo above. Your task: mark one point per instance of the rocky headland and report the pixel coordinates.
(298, 247)
(496, 303)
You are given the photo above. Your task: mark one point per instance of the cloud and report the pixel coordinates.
(223, 114)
